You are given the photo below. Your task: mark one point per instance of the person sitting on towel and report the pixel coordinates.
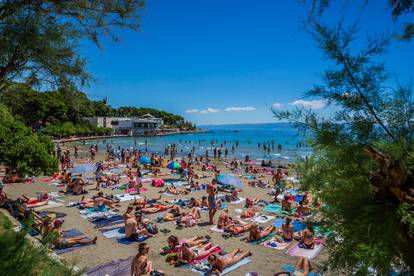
(171, 190)
(194, 203)
(287, 230)
(218, 264)
(204, 202)
(132, 229)
(189, 255)
(224, 219)
(100, 201)
(256, 234)
(308, 238)
(78, 185)
(61, 243)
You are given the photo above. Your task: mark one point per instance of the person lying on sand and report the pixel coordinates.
(156, 208)
(236, 229)
(255, 234)
(140, 264)
(218, 264)
(146, 200)
(308, 238)
(188, 255)
(61, 243)
(173, 214)
(172, 190)
(248, 213)
(174, 245)
(99, 201)
(191, 218)
(302, 268)
(31, 202)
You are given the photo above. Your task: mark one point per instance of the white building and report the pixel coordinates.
(145, 124)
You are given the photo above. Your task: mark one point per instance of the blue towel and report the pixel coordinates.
(273, 208)
(292, 269)
(298, 198)
(70, 234)
(125, 241)
(297, 225)
(101, 222)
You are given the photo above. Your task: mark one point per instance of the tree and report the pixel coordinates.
(23, 151)
(39, 39)
(363, 162)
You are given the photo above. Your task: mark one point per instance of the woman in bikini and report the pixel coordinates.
(255, 234)
(308, 238)
(287, 230)
(156, 208)
(218, 264)
(248, 213)
(238, 229)
(188, 255)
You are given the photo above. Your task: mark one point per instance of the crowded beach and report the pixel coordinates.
(131, 212)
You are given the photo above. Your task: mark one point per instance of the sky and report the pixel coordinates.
(225, 61)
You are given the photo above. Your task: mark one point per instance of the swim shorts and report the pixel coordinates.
(212, 202)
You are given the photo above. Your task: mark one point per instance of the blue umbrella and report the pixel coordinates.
(145, 160)
(228, 179)
(84, 168)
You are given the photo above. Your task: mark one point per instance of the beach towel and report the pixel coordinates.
(273, 208)
(126, 197)
(125, 241)
(262, 219)
(274, 244)
(302, 252)
(114, 268)
(93, 210)
(292, 269)
(297, 225)
(70, 234)
(227, 269)
(215, 251)
(45, 213)
(239, 201)
(107, 221)
(50, 204)
(115, 233)
(262, 240)
(95, 215)
(215, 229)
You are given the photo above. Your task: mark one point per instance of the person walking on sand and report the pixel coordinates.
(212, 207)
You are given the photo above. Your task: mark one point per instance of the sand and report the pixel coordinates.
(265, 261)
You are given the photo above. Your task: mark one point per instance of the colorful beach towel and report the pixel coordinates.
(126, 197)
(262, 219)
(107, 221)
(302, 252)
(274, 244)
(115, 233)
(297, 225)
(292, 269)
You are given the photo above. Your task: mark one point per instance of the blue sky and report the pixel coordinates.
(223, 61)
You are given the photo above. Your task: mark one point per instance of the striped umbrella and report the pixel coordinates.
(173, 165)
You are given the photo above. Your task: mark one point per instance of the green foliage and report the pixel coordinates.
(18, 256)
(70, 129)
(39, 40)
(23, 151)
(362, 165)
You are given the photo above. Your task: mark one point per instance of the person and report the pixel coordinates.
(237, 229)
(173, 214)
(303, 209)
(61, 243)
(100, 202)
(286, 204)
(218, 264)
(78, 185)
(156, 208)
(308, 238)
(204, 202)
(302, 268)
(140, 264)
(189, 255)
(287, 230)
(212, 208)
(171, 190)
(145, 200)
(255, 234)
(248, 213)
(132, 229)
(190, 219)
(194, 202)
(3, 196)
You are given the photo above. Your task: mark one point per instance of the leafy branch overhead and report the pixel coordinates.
(39, 40)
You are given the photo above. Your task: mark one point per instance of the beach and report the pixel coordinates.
(264, 260)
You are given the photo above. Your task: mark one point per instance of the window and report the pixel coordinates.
(114, 123)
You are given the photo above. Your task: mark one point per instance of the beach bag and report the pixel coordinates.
(151, 228)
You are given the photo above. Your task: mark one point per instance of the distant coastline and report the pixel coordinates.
(158, 133)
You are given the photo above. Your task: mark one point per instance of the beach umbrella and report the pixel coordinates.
(228, 179)
(145, 160)
(173, 165)
(84, 168)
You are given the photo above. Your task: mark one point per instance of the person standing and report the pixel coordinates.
(212, 207)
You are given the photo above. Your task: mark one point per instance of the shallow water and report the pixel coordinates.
(224, 136)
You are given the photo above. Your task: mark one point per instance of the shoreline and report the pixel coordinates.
(162, 133)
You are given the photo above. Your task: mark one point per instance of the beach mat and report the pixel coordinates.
(45, 213)
(126, 242)
(114, 268)
(279, 245)
(291, 269)
(126, 197)
(115, 233)
(228, 269)
(102, 222)
(239, 201)
(262, 219)
(296, 251)
(50, 204)
(70, 234)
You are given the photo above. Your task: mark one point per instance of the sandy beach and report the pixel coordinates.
(265, 261)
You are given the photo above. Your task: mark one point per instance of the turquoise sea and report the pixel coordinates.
(247, 136)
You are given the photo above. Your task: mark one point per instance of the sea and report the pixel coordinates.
(246, 140)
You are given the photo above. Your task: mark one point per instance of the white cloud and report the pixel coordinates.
(242, 108)
(209, 110)
(277, 105)
(191, 111)
(315, 104)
